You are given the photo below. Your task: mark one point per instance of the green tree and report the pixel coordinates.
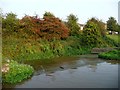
(91, 34)
(73, 25)
(10, 22)
(48, 14)
(112, 24)
(101, 25)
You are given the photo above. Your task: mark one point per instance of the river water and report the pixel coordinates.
(85, 71)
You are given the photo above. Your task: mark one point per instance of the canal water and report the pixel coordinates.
(85, 71)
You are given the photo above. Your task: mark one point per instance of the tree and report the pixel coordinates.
(10, 22)
(91, 34)
(52, 27)
(48, 28)
(101, 25)
(112, 24)
(73, 25)
(48, 14)
(29, 26)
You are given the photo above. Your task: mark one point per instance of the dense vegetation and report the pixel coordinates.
(115, 38)
(40, 39)
(91, 35)
(48, 28)
(33, 38)
(111, 55)
(101, 25)
(73, 25)
(112, 25)
(17, 72)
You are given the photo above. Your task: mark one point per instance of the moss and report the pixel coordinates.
(17, 73)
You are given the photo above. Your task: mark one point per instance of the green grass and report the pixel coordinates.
(17, 73)
(111, 55)
(114, 37)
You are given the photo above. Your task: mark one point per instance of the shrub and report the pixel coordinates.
(91, 35)
(52, 28)
(48, 14)
(17, 73)
(73, 25)
(111, 55)
(29, 26)
(48, 28)
(101, 25)
(10, 23)
(73, 46)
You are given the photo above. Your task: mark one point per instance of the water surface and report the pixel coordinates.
(85, 71)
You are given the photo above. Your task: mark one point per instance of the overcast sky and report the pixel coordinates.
(83, 9)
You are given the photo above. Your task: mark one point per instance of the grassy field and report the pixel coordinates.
(114, 37)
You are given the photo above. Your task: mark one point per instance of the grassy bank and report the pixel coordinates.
(32, 38)
(114, 37)
(19, 48)
(111, 55)
(14, 72)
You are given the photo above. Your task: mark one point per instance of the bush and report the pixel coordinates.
(73, 47)
(17, 73)
(52, 28)
(101, 25)
(48, 28)
(28, 49)
(91, 35)
(111, 55)
(10, 23)
(73, 25)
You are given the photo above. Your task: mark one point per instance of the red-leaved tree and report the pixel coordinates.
(48, 28)
(52, 27)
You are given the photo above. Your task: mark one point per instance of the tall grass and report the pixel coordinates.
(110, 42)
(20, 49)
(114, 37)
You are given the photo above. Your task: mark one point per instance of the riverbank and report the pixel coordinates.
(34, 39)
(20, 49)
(13, 72)
(110, 55)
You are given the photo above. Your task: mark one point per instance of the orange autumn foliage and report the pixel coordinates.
(48, 28)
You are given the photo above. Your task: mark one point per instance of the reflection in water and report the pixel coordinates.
(93, 67)
(86, 71)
